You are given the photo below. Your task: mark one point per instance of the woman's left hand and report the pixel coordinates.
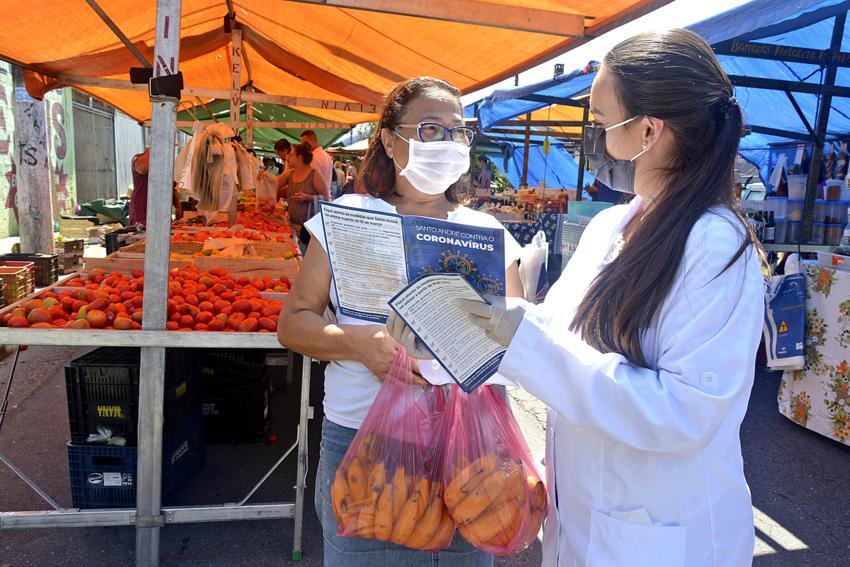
(500, 319)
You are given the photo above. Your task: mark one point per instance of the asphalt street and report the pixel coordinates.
(798, 479)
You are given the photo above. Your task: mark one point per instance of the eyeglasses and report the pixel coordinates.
(435, 132)
(593, 137)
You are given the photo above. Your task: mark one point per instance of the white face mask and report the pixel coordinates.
(433, 166)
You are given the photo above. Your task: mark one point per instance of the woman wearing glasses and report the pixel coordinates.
(416, 156)
(644, 349)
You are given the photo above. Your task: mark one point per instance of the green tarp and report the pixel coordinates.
(264, 138)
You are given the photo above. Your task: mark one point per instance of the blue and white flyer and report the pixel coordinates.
(375, 254)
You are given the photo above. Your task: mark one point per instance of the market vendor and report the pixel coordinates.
(644, 350)
(302, 185)
(139, 197)
(415, 158)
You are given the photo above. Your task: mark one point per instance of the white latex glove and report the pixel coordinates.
(405, 336)
(500, 319)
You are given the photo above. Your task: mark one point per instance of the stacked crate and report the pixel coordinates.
(120, 238)
(46, 266)
(16, 281)
(30, 267)
(71, 254)
(103, 404)
(236, 391)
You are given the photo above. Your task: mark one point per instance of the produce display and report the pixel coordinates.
(261, 221)
(202, 235)
(197, 301)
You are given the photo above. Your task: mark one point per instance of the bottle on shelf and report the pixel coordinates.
(769, 229)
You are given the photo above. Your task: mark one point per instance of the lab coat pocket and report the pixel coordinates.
(617, 543)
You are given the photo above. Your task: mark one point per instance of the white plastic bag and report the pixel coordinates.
(532, 267)
(266, 192)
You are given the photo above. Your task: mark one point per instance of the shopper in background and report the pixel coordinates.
(645, 348)
(282, 148)
(421, 115)
(139, 197)
(302, 186)
(322, 161)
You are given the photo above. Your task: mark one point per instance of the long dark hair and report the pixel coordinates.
(673, 76)
(377, 176)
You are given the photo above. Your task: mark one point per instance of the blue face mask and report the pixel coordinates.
(618, 174)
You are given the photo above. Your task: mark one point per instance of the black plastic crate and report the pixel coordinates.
(104, 476)
(235, 399)
(116, 239)
(103, 390)
(46, 266)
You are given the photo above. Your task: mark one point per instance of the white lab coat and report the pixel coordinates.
(645, 463)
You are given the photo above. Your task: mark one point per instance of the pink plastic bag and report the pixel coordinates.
(389, 485)
(493, 491)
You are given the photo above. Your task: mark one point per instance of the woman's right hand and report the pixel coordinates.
(376, 349)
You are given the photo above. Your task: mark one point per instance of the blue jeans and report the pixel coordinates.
(359, 552)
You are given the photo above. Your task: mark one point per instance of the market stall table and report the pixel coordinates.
(818, 397)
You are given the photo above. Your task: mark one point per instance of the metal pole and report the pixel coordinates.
(300, 479)
(820, 127)
(117, 31)
(235, 74)
(580, 182)
(525, 151)
(152, 366)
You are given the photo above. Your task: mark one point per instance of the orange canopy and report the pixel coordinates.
(338, 50)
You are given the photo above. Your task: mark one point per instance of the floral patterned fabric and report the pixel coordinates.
(818, 397)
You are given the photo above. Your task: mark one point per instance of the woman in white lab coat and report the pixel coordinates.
(645, 348)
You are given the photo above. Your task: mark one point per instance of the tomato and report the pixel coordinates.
(249, 325)
(100, 304)
(204, 317)
(187, 321)
(242, 306)
(123, 323)
(33, 304)
(172, 326)
(96, 318)
(266, 324)
(77, 324)
(39, 315)
(215, 325)
(18, 322)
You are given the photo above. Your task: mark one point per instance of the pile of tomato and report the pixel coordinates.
(197, 301)
(204, 235)
(260, 221)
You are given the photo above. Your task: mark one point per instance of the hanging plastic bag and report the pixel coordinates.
(493, 491)
(266, 192)
(785, 321)
(388, 486)
(532, 267)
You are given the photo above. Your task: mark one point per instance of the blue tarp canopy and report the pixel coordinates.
(557, 168)
(510, 103)
(803, 24)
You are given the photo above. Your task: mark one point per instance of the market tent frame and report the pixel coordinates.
(332, 59)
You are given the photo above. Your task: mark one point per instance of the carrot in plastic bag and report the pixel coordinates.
(389, 485)
(493, 492)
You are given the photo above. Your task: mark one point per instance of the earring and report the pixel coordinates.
(644, 145)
